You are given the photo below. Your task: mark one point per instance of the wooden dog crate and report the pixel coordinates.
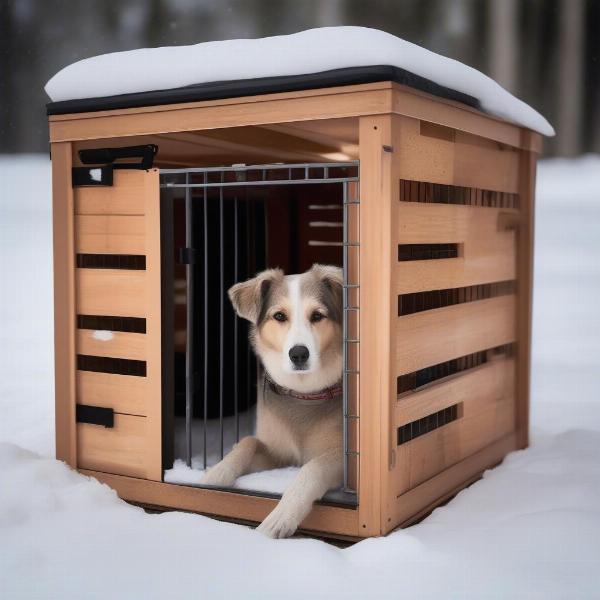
(439, 270)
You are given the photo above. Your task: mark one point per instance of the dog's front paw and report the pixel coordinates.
(220, 475)
(278, 524)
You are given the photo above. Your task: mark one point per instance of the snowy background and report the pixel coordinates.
(529, 529)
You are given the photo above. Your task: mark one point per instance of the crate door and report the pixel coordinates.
(118, 321)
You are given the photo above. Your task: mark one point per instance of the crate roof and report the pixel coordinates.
(316, 58)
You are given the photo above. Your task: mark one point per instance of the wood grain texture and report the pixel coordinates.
(487, 406)
(125, 197)
(487, 380)
(121, 345)
(110, 234)
(152, 302)
(374, 385)
(525, 244)
(123, 393)
(64, 304)
(122, 449)
(111, 292)
(435, 336)
(423, 498)
(322, 518)
(488, 251)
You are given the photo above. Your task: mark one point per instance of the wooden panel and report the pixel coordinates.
(110, 234)
(444, 155)
(322, 518)
(490, 379)
(120, 345)
(127, 195)
(121, 450)
(423, 498)
(64, 304)
(434, 336)
(377, 213)
(336, 102)
(111, 292)
(525, 243)
(485, 164)
(307, 105)
(151, 300)
(123, 393)
(488, 252)
(488, 414)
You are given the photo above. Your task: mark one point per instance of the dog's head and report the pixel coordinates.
(296, 324)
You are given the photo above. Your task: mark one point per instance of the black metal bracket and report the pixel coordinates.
(95, 415)
(106, 157)
(188, 256)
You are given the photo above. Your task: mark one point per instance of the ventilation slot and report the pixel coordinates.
(420, 301)
(413, 430)
(111, 261)
(417, 379)
(420, 191)
(125, 324)
(117, 366)
(426, 251)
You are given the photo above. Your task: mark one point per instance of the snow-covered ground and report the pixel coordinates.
(529, 529)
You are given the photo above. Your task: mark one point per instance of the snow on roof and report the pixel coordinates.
(306, 52)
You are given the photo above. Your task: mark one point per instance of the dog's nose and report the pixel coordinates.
(299, 355)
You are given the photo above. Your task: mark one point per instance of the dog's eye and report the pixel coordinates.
(316, 317)
(279, 316)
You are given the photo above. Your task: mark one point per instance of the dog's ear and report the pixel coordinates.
(250, 296)
(332, 282)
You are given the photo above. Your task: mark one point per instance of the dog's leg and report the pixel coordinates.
(247, 456)
(314, 479)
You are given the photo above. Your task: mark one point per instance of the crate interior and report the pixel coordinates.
(236, 227)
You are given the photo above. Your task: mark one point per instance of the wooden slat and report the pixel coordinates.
(488, 252)
(111, 292)
(127, 195)
(120, 345)
(308, 105)
(376, 349)
(484, 164)
(121, 450)
(435, 336)
(488, 380)
(64, 303)
(433, 223)
(109, 234)
(524, 296)
(322, 518)
(423, 498)
(488, 415)
(123, 393)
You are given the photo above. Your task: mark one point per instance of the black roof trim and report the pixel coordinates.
(264, 85)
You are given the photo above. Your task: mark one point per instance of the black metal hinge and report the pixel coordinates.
(104, 159)
(95, 415)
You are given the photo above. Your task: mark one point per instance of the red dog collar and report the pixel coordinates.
(327, 394)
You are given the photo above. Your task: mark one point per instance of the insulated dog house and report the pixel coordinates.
(428, 205)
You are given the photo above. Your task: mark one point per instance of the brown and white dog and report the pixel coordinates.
(296, 333)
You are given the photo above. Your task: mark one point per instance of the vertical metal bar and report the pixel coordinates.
(205, 408)
(189, 338)
(235, 322)
(221, 314)
(345, 329)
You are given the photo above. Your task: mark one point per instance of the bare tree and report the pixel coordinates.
(503, 29)
(570, 77)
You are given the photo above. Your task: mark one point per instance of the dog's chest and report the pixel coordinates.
(295, 432)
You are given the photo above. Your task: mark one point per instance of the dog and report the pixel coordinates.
(296, 333)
